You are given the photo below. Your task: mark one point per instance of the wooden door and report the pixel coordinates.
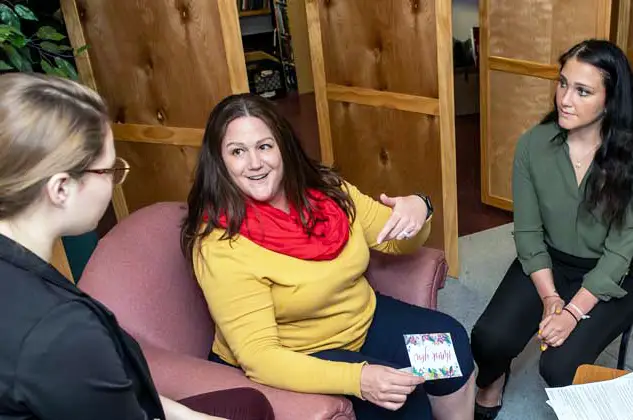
(383, 82)
(520, 45)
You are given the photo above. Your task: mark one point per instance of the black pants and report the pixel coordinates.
(385, 346)
(513, 315)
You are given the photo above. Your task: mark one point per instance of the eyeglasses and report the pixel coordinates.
(119, 171)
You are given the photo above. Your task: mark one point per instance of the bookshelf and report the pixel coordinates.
(284, 44)
(266, 38)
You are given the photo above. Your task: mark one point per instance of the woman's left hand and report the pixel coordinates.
(407, 217)
(555, 328)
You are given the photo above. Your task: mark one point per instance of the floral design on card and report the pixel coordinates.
(432, 356)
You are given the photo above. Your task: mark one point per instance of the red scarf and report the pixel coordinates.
(282, 232)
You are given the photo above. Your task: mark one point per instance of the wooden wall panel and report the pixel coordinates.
(159, 172)
(574, 21)
(552, 25)
(508, 93)
(382, 150)
(384, 94)
(390, 46)
(164, 64)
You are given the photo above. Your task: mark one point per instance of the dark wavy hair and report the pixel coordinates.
(610, 180)
(214, 192)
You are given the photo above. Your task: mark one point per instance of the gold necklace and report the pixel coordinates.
(578, 162)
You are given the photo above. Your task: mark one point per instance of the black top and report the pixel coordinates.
(62, 354)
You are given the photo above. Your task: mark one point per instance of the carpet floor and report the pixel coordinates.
(485, 256)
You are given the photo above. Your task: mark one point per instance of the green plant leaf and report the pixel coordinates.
(24, 12)
(9, 17)
(26, 53)
(81, 49)
(50, 47)
(16, 59)
(54, 71)
(48, 32)
(5, 66)
(48, 69)
(67, 68)
(5, 32)
(64, 48)
(17, 39)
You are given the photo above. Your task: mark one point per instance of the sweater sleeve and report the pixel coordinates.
(242, 307)
(528, 226)
(373, 216)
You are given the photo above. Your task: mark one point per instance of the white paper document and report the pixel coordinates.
(607, 400)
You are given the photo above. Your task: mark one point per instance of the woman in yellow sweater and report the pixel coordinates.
(279, 245)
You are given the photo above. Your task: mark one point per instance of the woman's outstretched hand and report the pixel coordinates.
(408, 215)
(387, 387)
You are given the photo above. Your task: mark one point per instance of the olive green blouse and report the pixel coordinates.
(548, 210)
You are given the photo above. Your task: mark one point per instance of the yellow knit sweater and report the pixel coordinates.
(273, 310)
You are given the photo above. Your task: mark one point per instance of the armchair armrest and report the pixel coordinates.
(413, 278)
(180, 376)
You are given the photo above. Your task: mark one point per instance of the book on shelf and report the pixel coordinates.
(250, 5)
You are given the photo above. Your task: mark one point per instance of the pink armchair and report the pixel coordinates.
(138, 271)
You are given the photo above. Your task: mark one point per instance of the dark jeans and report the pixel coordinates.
(234, 404)
(512, 317)
(385, 346)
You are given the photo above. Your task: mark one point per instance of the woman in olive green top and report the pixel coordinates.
(572, 188)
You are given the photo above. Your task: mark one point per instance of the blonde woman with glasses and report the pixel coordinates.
(62, 353)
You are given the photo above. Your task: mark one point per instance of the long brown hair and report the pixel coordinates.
(610, 179)
(214, 192)
(48, 125)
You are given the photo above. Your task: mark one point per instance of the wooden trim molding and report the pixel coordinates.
(603, 19)
(443, 19)
(523, 67)
(372, 97)
(320, 84)
(59, 260)
(484, 91)
(233, 48)
(157, 134)
(87, 77)
(78, 40)
(624, 24)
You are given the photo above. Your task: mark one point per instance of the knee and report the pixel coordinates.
(556, 368)
(487, 342)
(483, 339)
(461, 344)
(257, 406)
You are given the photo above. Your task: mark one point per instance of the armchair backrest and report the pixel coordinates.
(139, 272)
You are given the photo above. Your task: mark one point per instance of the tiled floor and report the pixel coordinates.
(473, 215)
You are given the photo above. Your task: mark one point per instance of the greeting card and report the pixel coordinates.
(432, 356)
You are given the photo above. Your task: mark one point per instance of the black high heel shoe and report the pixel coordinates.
(490, 413)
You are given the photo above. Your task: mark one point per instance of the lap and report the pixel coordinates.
(515, 307)
(235, 403)
(591, 336)
(385, 344)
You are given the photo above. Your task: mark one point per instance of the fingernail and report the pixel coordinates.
(539, 332)
(558, 311)
(543, 347)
